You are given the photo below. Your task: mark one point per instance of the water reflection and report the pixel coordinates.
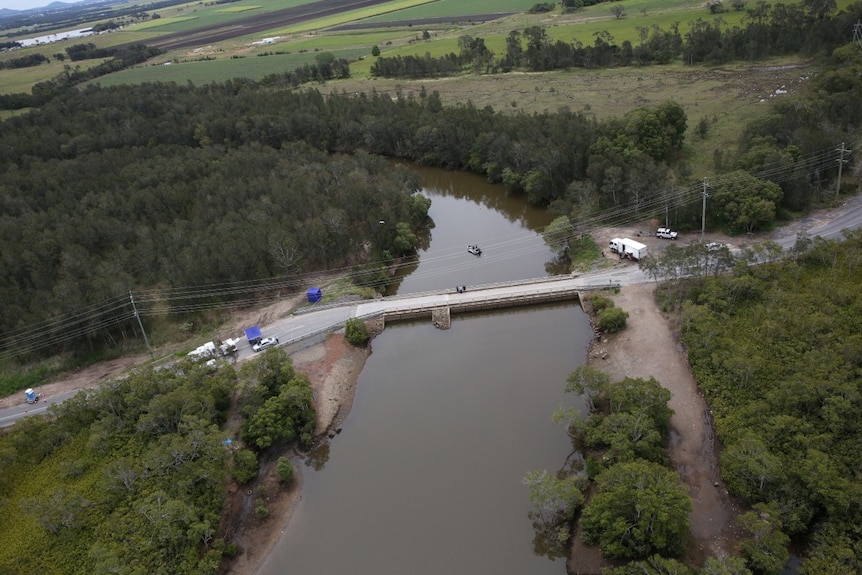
(468, 210)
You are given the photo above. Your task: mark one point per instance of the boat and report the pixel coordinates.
(475, 250)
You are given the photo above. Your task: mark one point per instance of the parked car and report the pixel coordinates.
(265, 343)
(665, 233)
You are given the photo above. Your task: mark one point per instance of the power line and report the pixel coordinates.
(189, 299)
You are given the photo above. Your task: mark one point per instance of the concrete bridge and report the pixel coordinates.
(440, 305)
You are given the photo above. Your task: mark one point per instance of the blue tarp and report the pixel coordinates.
(314, 294)
(252, 334)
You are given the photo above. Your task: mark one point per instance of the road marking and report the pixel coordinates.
(23, 413)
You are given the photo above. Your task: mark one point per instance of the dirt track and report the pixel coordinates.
(649, 348)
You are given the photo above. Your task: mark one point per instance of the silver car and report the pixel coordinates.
(265, 343)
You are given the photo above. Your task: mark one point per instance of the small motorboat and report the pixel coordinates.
(475, 250)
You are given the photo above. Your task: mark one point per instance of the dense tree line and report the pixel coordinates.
(776, 350)
(770, 30)
(410, 66)
(23, 61)
(89, 51)
(325, 68)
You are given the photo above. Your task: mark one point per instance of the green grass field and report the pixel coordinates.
(159, 23)
(443, 8)
(237, 9)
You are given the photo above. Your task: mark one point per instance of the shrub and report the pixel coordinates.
(244, 466)
(612, 320)
(284, 469)
(601, 302)
(355, 332)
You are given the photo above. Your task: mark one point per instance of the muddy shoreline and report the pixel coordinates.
(333, 368)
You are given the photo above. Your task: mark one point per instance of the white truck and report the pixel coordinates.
(627, 248)
(214, 349)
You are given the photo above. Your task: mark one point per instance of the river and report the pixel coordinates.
(426, 476)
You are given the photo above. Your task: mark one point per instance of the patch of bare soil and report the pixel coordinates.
(84, 378)
(648, 348)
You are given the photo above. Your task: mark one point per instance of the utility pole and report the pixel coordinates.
(140, 323)
(841, 162)
(703, 212)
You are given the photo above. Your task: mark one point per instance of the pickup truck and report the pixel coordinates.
(666, 234)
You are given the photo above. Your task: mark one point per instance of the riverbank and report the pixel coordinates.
(333, 368)
(648, 348)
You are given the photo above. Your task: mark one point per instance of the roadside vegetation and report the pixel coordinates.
(131, 477)
(772, 348)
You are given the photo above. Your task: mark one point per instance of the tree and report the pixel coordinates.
(725, 566)
(766, 548)
(625, 437)
(748, 467)
(554, 497)
(375, 50)
(272, 369)
(405, 240)
(745, 201)
(59, 511)
(640, 508)
(558, 233)
(284, 469)
(655, 565)
(283, 417)
(588, 382)
(244, 465)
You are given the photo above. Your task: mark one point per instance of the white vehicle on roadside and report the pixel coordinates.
(265, 343)
(665, 233)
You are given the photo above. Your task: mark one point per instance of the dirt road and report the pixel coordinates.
(648, 348)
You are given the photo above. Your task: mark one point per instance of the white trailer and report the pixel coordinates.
(204, 352)
(628, 248)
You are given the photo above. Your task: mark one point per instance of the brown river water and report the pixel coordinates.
(426, 476)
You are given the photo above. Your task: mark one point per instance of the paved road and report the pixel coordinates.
(311, 322)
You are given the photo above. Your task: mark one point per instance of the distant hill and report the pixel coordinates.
(6, 13)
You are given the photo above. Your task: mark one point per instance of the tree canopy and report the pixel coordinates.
(132, 477)
(775, 348)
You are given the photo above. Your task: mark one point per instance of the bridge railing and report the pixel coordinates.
(511, 283)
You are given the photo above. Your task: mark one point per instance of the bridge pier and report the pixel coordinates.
(441, 317)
